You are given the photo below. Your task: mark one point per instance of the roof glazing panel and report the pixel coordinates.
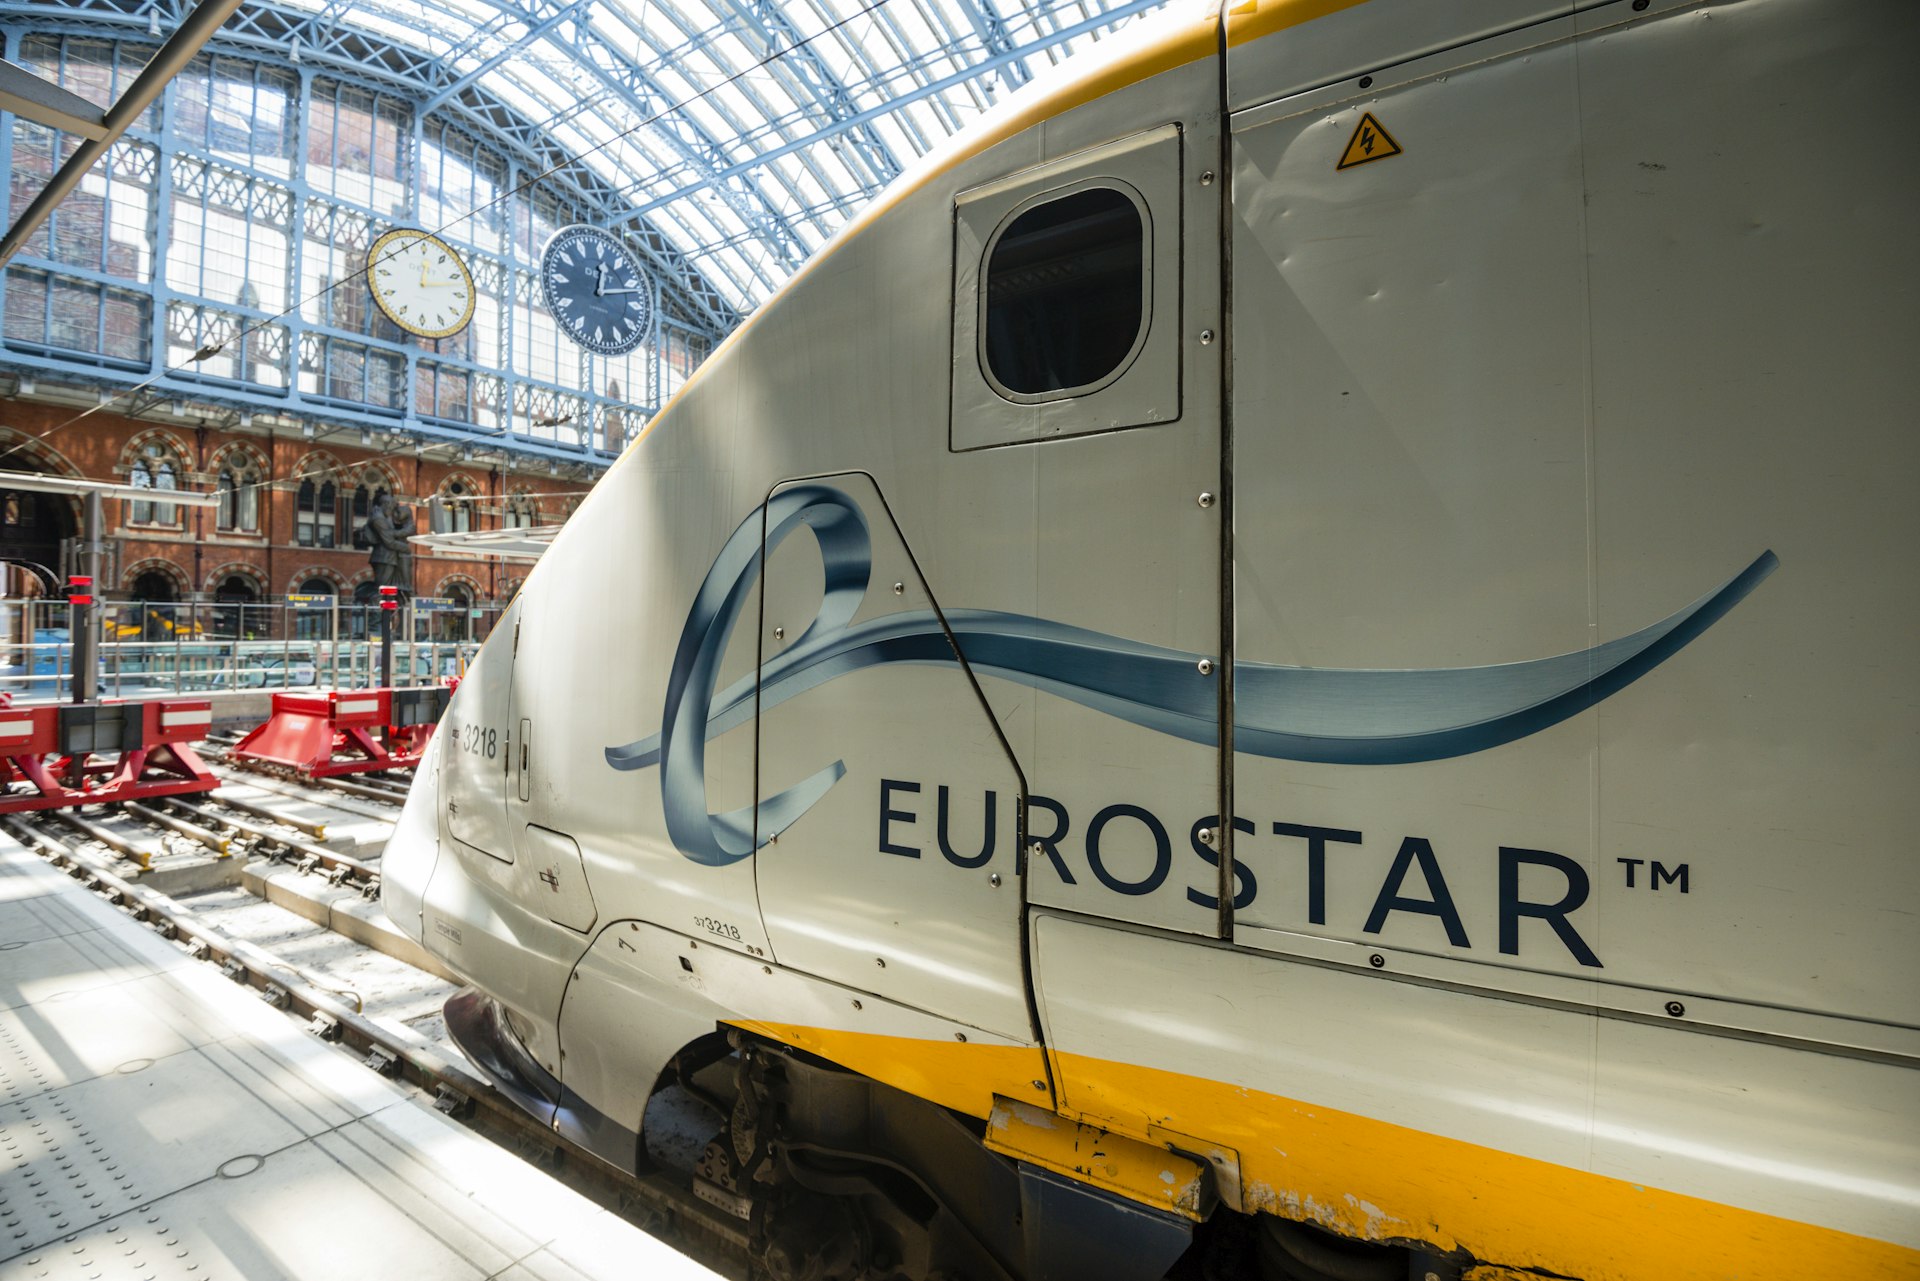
(746, 131)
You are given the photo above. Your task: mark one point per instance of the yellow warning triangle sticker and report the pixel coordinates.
(1369, 142)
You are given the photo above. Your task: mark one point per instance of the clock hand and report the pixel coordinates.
(617, 291)
(600, 281)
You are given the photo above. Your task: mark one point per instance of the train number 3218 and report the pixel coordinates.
(478, 739)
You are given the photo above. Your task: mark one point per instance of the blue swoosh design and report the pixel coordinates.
(1323, 715)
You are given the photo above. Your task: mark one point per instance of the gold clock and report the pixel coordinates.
(420, 283)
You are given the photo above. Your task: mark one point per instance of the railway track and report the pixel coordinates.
(360, 998)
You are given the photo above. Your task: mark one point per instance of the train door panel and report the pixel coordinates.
(1412, 506)
(1086, 370)
(889, 809)
(497, 903)
(477, 756)
(541, 815)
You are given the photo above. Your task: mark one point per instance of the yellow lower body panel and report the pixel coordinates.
(1367, 1178)
(1371, 1179)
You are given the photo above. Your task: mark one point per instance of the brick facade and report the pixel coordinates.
(196, 554)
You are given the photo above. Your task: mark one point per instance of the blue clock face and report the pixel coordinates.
(596, 290)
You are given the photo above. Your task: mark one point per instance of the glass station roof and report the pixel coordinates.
(216, 254)
(745, 131)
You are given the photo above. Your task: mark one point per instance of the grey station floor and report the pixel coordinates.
(157, 1121)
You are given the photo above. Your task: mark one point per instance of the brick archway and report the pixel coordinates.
(161, 566)
(236, 569)
(297, 583)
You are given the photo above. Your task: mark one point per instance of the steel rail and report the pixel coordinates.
(279, 786)
(320, 854)
(316, 830)
(147, 814)
(107, 837)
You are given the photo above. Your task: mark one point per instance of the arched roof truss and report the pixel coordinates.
(726, 140)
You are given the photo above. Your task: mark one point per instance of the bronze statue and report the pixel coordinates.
(388, 527)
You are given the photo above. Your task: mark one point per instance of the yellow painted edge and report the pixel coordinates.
(1252, 19)
(1370, 1178)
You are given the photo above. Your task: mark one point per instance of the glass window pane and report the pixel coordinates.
(1065, 293)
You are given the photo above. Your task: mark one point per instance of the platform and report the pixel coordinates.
(158, 1121)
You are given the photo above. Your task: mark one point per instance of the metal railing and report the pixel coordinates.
(202, 647)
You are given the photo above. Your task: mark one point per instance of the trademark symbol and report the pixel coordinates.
(1658, 874)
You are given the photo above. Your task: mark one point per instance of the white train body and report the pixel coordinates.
(1528, 504)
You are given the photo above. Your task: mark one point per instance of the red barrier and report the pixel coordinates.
(95, 753)
(346, 731)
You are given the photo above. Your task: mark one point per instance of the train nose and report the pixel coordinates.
(406, 865)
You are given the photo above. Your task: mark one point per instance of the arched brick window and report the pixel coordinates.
(238, 477)
(156, 465)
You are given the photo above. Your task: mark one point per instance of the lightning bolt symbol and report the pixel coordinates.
(1366, 141)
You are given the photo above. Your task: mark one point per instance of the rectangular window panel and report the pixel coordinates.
(248, 350)
(104, 225)
(97, 70)
(357, 147)
(79, 316)
(229, 236)
(333, 282)
(238, 111)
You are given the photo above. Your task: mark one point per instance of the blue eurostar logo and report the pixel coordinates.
(1326, 715)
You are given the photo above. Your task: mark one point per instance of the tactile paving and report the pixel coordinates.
(160, 1123)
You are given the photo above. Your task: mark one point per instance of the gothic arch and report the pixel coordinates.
(376, 476)
(319, 464)
(475, 592)
(238, 453)
(39, 455)
(236, 569)
(238, 473)
(341, 584)
(155, 460)
(522, 509)
(136, 447)
(462, 494)
(33, 525)
(157, 565)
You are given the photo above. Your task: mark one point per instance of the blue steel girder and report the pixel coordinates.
(999, 42)
(261, 28)
(1037, 44)
(655, 109)
(540, 23)
(795, 53)
(773, 138)
(695, 46)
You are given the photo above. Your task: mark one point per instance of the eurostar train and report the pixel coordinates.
(1469, 444)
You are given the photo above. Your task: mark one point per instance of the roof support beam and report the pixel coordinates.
(31, 98)
(176, 53)
(993, 33)
(794, 53)
(654, 107)
(1011, 56)
(534, 35)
